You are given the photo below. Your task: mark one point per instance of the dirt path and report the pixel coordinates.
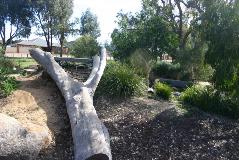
(38, 101)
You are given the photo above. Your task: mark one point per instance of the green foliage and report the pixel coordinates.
(85, 46)
(220, 29)
(52, 19)
(120, 81)
(1, 51)
(147, 32)
(18, 15)
(89, 24)
(167, 70)
(163, 90)
(8, 85)
(209, 100)
(192, 58)
(141, 60)
(63, 9)
(192, 94)
(6, 64)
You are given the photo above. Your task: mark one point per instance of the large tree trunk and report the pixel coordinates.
(90, 136)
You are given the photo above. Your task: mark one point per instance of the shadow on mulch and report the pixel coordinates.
(169, 135)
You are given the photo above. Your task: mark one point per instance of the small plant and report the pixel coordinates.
(8, 86)
(6, 63)
(120, 81)
(163, 90)
(192, 94)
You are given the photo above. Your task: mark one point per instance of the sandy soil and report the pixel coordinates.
(38, 101)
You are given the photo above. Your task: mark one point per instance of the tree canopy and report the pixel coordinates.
(52, 19)
(18, 15)
(220, 29)
(63, 10)
(170, 27)
(85, 46)
(89, 24)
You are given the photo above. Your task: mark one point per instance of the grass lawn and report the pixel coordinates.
(23, 62)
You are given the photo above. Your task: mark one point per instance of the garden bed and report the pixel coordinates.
(140, 128)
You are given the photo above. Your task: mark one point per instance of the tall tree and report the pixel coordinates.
(18, 15)
(45, 19)
(89, 24)
(220, 29)
(63, 11)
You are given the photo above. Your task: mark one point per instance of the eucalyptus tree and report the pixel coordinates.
(89, 24)
(63, 10)
(15, 20)
(45, 19)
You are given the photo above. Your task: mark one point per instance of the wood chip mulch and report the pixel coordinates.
(146, 129)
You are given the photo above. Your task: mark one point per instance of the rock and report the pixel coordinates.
(177, 94)
(18, 142)
(30, 71)
(151, 90)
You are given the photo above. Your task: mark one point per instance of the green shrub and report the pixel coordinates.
(210, 100)
(6, 63)
(167, 70)
(163, 90)
(8, 86)
(120, 81)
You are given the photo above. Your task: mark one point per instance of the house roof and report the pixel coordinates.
(36, 42)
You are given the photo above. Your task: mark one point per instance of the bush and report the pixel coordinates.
(5, 63)
(210, 100)
(8, 86)
(163, 90)
(120, 81)
(167, 70)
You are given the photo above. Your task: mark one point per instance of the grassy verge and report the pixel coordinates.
(23, 62)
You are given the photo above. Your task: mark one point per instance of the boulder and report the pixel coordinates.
(21, 142)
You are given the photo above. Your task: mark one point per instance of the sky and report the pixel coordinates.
(106, 11)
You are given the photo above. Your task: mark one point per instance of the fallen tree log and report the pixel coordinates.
(90, 136)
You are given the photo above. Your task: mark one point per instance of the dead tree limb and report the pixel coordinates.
(90, 136)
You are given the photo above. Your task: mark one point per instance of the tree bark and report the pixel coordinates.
(90, 136)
